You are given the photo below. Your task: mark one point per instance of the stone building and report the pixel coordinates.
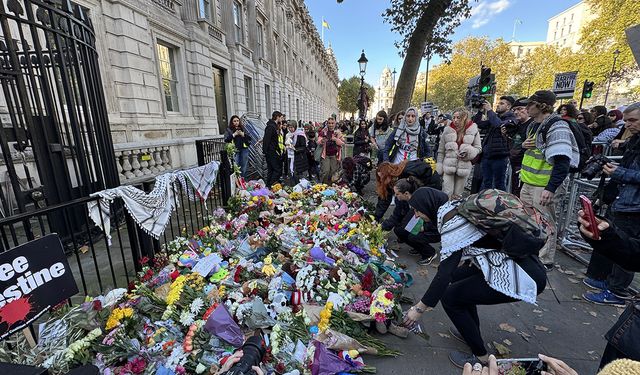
(175, 71)
(383, 99)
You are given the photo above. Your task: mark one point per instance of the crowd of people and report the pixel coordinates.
(529, 149)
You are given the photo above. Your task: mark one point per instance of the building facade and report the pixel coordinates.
(383, 99)
(175, 71)
(564, 28)
(521, 49)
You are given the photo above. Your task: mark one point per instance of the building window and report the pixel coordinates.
(569, 30)
(276, 55)
(167, 65)
(237, 21)
(555, 35)
(248, 93)
(267, 100)
(285, 66)
(204, 9)
(260, 40)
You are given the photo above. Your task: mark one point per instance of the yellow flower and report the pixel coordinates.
(117, 315)
(176, 289)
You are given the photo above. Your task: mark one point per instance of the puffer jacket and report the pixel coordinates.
(448, 162)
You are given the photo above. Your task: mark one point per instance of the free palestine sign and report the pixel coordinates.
(34, 277)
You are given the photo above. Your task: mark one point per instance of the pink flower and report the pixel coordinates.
(380, 317)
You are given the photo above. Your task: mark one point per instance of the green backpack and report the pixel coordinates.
(520, 228)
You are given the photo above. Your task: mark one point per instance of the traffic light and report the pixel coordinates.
(485, 81)
(587, 90)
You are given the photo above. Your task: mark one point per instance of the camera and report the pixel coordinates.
(252, 352)
(511, 128)
(593, 166)
(476, 101)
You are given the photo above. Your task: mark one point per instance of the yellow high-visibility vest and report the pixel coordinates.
(535, 170)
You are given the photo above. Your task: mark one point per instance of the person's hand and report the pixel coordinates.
(412, 315)
(556, 366)
(616, 143)
(462, 154)
(529, 143)
(546, 197)
(231, 360)
(257, 370)
(585, 225)
(486, 106)
(609, 168)
(492, 369)
(503, 130)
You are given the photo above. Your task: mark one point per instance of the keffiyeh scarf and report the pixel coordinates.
(152, 211)
(500, 272)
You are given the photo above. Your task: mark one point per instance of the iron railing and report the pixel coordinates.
(98, 265)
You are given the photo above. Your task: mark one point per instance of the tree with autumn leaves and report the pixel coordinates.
(424, 27)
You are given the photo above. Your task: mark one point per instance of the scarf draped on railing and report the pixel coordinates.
(152, 211)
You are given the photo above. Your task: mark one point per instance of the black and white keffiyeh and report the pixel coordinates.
(500, 272)
(152, 211)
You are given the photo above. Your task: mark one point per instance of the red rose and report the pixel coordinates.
(388, 295)
(174, 275)
(97, 305)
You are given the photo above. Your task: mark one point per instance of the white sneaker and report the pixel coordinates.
(393, 201)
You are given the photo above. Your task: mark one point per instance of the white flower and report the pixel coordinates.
(200, 368)
(197, 305)
(186, 318)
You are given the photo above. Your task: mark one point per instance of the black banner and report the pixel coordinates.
(33, 278)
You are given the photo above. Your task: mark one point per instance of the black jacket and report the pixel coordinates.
(494, 145)
(515, 143)
(270, 139)
(241, 142)
(300, 161)
(361, 142)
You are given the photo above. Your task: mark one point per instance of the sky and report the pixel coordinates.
(358, 24)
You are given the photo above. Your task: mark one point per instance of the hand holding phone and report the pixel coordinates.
(587, 207)
(528, 366)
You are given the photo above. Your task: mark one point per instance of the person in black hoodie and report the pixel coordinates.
(237, 134)
(495, 148)
(421, 242)
(273, 148)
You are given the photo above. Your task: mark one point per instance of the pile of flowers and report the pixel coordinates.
(304, 267)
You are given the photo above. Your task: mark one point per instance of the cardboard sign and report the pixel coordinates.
(564, 84)
(34, 277)
(426, 107)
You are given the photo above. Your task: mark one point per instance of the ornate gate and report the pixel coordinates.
(54, 137)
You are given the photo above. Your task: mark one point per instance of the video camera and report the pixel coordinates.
(476, 101)
(252, 352)
(511, 128)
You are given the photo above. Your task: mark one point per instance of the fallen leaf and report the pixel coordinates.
(444, 335)
(507, 327)
(525, 336)
(576, 297)
(501, 349)
(541, 328)
(537, 311)
(593, 313)
(422, 272)
(507, 341)
(569, 272)
(84, 249)
(575, 281)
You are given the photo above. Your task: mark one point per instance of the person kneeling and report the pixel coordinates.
(402, 214)
(486, 277)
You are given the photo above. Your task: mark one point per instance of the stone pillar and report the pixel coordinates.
(226, 8)
(189, 11)
(252, 29)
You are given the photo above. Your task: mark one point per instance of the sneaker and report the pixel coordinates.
(625, 295)
(456, 335)
(548, 267)
(595, 284)
(426, 261)
(604, 298)
(414, 252)
(459, 359)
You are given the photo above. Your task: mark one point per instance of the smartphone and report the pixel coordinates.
(521, 366)
(587, 207)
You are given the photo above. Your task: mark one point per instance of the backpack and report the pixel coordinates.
(583, 138)
(520, 228)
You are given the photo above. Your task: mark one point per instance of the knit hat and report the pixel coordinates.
(621, 367)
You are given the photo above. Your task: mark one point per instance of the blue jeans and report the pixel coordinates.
(494, 173)
(242, 158)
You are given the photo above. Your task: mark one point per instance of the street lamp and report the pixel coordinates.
(426, 76)
(362, 61)
(613, 67)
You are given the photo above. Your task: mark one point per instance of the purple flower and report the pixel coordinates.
(358, 251)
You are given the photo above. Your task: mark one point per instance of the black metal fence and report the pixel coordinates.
(98, 264)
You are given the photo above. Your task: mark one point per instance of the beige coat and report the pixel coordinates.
(448, 150)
